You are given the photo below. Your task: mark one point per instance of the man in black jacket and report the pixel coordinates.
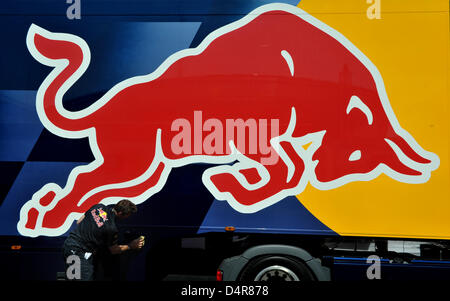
(96, 230)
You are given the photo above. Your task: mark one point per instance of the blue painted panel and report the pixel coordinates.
(120, 48)
(288, 216)
(31, 178)
(19, 124)
(134, 7)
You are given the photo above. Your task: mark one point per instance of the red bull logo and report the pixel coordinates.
(100, 217)
(316, 105)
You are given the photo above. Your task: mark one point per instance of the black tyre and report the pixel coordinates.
(276, 269)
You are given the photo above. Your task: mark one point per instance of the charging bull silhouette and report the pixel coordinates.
(277, 63)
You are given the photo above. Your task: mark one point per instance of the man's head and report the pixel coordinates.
(124, 209)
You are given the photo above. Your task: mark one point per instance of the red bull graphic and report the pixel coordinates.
(319, 101)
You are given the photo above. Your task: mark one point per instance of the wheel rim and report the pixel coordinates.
(276, 273)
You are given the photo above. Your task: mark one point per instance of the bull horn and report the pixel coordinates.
(392, 160)
(406, 149)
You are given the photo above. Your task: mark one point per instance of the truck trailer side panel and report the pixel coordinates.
(310, 120)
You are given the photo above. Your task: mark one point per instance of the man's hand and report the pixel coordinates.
(138, 243)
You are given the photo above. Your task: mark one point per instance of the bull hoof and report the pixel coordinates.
(225, 182)
(47, 198)
(34, 211)
(55, 218)
(32, 215)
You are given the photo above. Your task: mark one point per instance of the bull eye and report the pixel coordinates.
(356, 103)
(355, 156)
(288, 58)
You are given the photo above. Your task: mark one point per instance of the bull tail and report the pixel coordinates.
(70, 57)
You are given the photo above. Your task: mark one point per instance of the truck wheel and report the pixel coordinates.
(276, 269)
